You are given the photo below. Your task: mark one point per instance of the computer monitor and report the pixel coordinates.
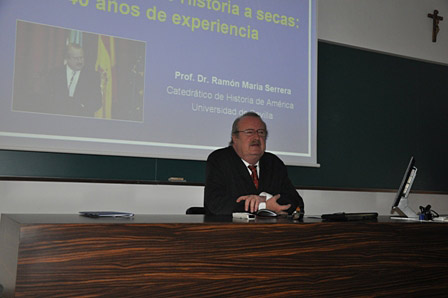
(401, 200)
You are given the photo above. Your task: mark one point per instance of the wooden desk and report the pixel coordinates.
(69, 255)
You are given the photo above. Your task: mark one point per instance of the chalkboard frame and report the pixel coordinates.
(375, 110)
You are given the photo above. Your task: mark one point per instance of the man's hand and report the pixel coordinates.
(272, 204)
(252, 202)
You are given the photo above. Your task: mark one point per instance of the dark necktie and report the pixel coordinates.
(254, 175)
(71, 81)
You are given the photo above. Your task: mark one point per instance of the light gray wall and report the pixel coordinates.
(399, 27)
(65, 197)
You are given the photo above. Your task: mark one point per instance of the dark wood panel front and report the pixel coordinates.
(232, 259)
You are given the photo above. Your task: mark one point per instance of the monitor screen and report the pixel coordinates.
(400, 205)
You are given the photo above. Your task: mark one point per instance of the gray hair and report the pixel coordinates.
(237, 121)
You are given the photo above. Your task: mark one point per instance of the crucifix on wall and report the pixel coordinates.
(435, 23)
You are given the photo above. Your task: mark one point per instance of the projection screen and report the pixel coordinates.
(157, 78)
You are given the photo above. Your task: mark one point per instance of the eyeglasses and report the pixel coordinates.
(250, 132)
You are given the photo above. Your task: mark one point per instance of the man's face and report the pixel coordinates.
(75, 58)
(249, 148)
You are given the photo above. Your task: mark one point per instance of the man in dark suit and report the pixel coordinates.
(231, 186)
(72, 89)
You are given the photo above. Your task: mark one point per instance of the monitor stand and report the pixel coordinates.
(404, 210)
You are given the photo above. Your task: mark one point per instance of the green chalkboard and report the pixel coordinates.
(374, 112)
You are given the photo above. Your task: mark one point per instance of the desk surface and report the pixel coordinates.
(176, 219)
(172, 255)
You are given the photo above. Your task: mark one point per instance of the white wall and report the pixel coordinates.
(65, 197)
(399, 27)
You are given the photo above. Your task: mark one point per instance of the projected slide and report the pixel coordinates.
(160, 78)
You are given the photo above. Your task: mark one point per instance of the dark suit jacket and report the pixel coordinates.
(227, 178)
(86, 100)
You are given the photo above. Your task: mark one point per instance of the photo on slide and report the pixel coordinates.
(70, 72)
